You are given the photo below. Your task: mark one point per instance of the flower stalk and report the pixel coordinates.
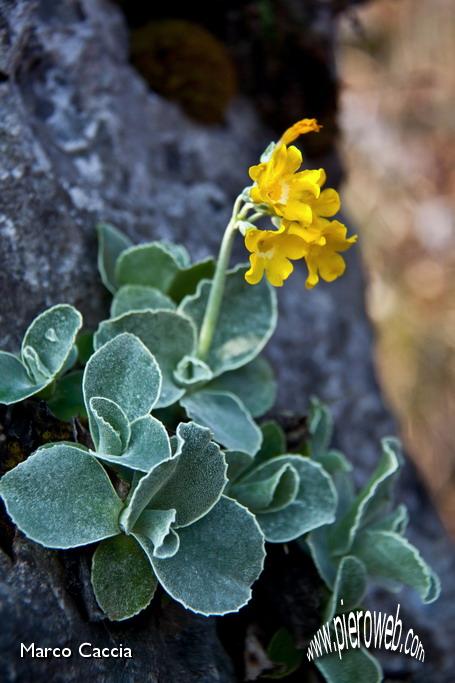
(212, 311)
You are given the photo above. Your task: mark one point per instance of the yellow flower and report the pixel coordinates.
(271, 251)
(300, 128)
(279, 186)
(322, 255)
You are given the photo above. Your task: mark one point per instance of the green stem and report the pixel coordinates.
(212, 311)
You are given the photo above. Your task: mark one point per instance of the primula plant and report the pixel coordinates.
(177, 484)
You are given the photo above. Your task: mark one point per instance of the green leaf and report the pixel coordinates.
(227, 418)
(273, 441)
(213, 571)
(49, 340)
(110, 427)
(111, 243)
(388, 555)
(395, 521)
(196, 482)
(186, 280)
(192, 371)
(168, 335)
(139, 298)
(355, 665)
(124, 371)
(154, 533)
(61, 497)
(283, 652)
(247, 320)
(36, 370)
(153, 265)
(350, 586)
(122, 578)
(254, 384)
(179, 252)
(333, 462)
(15, 383)
(274, 491)
(84, 344)
(320, 423)
(67, 401)
(317, 542)
(147, 447)
(314, 505)
(371, 498)
(237, 463)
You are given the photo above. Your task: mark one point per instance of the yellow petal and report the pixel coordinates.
(278, 270)
(293, 159)
(331, 266)
(300, 128)
(256, 271)
(292, 247)
(295, 210)
(252, 237)
(255, 171)
(328, 203)
(313, 278)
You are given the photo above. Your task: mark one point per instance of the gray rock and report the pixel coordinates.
(81, 140)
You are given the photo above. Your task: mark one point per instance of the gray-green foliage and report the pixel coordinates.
(175, 527)
(192, 511)
(365, 543)
(46, 349)
(150, 280)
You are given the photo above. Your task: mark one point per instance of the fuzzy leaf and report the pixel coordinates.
(139, 298)
(51, 336)
(148, 446)
(388, 555)
(141, 495)
(15, 383)
(61, 497)
(153, 531)
(110, 427)
(179, 252)
(350, 586)
(122, 578)
(67, 401)
(237, 463)
(198, 481)
(191, 482)
(356, 665)
(320, 424)
(124, 371)
(246, 323)
(273, 441)
(111, 243)
(314, 505)
(152, 265)
(186, 280)
(254, 384)
(192, 371)
(370, 499)
(396, 521)
(84, 345)
(269, 493)
(168, 335)
(227, 418)
(213, 571)
(321, 555)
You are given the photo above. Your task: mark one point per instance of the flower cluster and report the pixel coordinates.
(301, 211)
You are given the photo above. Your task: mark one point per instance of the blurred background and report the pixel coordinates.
(395, 61)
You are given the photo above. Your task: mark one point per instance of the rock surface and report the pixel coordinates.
(81, 140)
